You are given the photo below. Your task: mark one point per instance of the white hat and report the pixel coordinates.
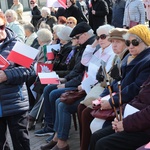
(64, 33)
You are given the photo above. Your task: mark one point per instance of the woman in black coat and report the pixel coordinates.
(74, 11)
(35, 12)
(97, 14)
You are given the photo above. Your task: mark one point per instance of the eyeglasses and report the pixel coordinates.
(32, 3)
(2, 27)
(69, 23)
(102, 36)
(134, 42)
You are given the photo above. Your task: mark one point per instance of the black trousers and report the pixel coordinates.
(17, 126)
(107, 139)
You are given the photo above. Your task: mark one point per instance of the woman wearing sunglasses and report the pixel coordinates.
(122, 135)
(94, 55)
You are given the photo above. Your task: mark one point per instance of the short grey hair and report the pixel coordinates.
(29, 26)
(46, 9)
(90, 32)
(107, 28)
(44, 35)
(13, 13)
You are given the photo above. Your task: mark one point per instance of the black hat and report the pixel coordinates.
(80, 28)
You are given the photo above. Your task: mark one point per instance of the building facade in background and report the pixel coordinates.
(6, 4)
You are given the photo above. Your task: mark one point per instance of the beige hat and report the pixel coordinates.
(117, 33)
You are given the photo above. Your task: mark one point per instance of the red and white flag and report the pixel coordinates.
(49, 78)
(43, 67)
(3, 63)
(22, 54)
(56, 3)
(50, 54)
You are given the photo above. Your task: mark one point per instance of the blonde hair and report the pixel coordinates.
(73, 19)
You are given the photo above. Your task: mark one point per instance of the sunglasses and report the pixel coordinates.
(102, 36)
(2, 27)
(134, 42)
(69, 22)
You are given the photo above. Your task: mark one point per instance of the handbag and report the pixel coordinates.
(69, 97)
(107, 114)
(133, 23)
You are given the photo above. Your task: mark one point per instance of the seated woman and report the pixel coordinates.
(132, 77)
(131, 132)
(14, 25)
(44, 38)
(47, 18)
(71, 22)
(119, 48)
(128, 136)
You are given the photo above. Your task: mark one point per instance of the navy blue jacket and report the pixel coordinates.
(13, 95)
(133, 76)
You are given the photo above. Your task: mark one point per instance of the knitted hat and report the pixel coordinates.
(64, 33)
(80, 28)
(117, 33)
(142, 32)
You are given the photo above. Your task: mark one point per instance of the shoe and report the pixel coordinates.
(48, 146)
(50, 138)
(57, 148)
(31, 121)
(46, 130)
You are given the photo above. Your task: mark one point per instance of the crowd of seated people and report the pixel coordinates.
(91, 49)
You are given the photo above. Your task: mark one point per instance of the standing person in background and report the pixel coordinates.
(97, 14)
(147, 7)
(14, 103)
(118, 13)
(134, 11)
(35, 12)
(74, 11)
(18, 8)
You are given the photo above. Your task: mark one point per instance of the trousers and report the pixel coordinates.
(107, 139)
(17, 125)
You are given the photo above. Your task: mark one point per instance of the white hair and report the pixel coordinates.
(107, 28)
(127, 35)
(46, 9)
(13, 13)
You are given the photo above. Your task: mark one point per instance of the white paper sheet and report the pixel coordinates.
(129, 110)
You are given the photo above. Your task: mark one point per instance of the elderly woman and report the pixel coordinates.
(13, 102)
(18, 8)
(71, 22)
(134, 13)
(120, 49)
(47, 18)
(44, 37)
(14, 25)
(93, 56)
(135, 70)
(57, 28)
